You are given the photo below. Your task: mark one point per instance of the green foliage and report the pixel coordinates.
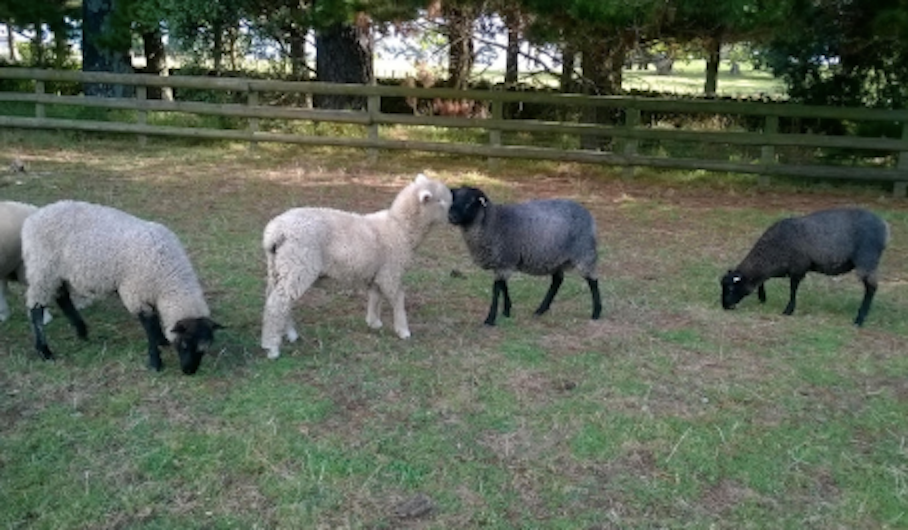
(843, 53)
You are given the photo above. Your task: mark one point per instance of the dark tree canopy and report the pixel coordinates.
(840, 52)
(843, 52)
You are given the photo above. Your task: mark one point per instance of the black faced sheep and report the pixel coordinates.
(830, 242)
(541, 237)
(305, 245)
(88, 250)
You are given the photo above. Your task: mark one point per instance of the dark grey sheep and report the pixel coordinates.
(542, 237)
(830, 242)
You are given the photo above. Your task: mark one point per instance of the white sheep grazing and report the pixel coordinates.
(304, 245)
(87, 250)
(12, 215)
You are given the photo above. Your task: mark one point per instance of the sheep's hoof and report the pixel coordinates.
(273, 353)
(404, 333)
(374, 324)
(292, 335)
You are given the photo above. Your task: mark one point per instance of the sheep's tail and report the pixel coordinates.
(272, 243)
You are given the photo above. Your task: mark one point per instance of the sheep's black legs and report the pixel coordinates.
(500, 286)
(152, 325)
(507, 299)
(795, 281)
(37, 318)
(761, 293)
(557, 278)
(869, 291)
(597, 300)
(66, 305)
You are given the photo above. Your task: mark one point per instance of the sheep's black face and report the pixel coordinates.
(466, 203)
(194, 337)
(734, 288)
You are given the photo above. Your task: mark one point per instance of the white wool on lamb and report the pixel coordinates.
(305, 245)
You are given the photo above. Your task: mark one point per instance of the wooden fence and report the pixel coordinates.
(886, 160)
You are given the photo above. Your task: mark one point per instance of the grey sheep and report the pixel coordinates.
(86, 250)
(830, 242)
(541, 237)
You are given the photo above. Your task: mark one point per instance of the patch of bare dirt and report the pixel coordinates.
(725, 496)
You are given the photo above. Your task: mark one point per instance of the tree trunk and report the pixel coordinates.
(713, 47)
(602, 62)
(343, 54)
(11, 42)
(103, 54)
(61, 43)
(38, 46)
(460, 42)
(568, 60)
(217, 46)
(297, 35)
(156, 62)
(511, 72)
(298, 69)
(232, 34)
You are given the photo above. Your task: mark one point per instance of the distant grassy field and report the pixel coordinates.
(687, 77)
(667, 413)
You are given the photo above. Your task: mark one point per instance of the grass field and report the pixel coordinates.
(688, 77)
(667, 413)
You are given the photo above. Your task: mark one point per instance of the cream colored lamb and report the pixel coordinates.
(305, 245)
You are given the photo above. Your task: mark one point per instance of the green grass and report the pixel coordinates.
(689, 77)
(666, 413)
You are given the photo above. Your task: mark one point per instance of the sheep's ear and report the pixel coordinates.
(424, 196)
(179, 328)
(421, 178)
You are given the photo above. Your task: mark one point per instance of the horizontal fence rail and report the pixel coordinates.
(628, 135)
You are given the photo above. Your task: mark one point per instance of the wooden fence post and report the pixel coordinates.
(901, 188)
(373, 106)
(495, 134)
(39, 107)
(768, 152)
(141, 96)
(253, 101)
(631, 121)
